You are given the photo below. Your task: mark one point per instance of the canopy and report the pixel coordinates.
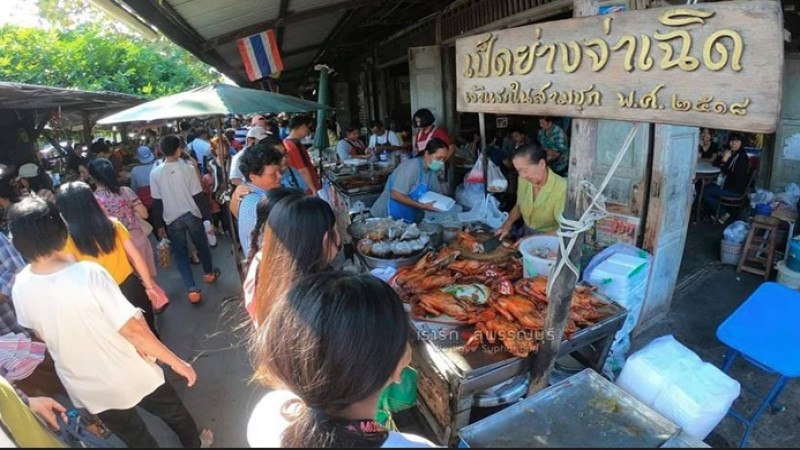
(218, 99)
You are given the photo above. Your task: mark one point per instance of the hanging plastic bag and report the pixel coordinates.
(497, 181)
(476, 174)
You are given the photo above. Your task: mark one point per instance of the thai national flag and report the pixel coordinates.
(260, 55)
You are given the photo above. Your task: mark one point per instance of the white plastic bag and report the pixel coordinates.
(476, 174)
(470, 195)
(487, 212)
(497, 182)
(736, 232)
(761, 196)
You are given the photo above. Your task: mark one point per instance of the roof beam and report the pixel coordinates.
(156, 13)
(281, 22)
(297, 51)
(284, 8)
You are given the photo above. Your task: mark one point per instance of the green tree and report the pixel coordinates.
(88, 57)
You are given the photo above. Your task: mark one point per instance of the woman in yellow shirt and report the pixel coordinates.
(541, 193)
(95, 237)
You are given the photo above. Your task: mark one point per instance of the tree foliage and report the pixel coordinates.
(87, 58)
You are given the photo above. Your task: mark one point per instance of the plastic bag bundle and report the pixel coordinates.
(673, 380)
(621, 272)
(736, 232)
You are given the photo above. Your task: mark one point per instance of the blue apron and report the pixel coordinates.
(398, 210)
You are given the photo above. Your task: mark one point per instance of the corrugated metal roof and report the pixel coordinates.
(211, 18)
(308, 32)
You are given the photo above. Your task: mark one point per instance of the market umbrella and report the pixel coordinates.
(217, 99)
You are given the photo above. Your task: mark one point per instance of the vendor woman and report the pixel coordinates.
(411, 179)
(541, 193)
(351, 146)
(427, 130)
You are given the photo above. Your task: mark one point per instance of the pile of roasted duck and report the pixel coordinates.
(514, 313)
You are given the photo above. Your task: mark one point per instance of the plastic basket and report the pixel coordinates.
(730, 252)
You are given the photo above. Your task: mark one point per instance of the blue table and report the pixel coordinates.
(763, 330)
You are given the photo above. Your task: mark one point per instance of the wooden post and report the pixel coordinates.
(582, 145)
(87, 128)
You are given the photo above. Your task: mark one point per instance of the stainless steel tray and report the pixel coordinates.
(585, 410)
(446, 348)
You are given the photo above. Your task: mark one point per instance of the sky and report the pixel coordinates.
(21, 12)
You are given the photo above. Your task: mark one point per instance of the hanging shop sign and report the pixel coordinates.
(718, 65)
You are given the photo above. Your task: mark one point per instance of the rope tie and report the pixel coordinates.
(570, 230)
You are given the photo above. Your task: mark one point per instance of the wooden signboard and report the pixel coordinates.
(717, 65)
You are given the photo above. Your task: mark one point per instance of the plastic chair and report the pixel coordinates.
(759, 332)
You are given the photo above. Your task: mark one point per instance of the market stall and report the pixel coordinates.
(497, 330)
(353, 189)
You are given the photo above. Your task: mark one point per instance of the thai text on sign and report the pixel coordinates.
(717, 64)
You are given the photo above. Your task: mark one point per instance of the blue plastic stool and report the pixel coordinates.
(759, 332)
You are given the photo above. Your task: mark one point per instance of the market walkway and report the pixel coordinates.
(205, 335)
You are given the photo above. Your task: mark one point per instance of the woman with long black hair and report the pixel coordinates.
(265, 206)
(329, 347)
(300, 238)
(95, 237)
(121, 202)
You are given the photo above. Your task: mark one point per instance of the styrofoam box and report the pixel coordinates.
(647, 371)
(674, 381)
(699, 400)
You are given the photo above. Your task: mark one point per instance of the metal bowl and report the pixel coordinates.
(358, 230)
(380, 263)
(435, 231)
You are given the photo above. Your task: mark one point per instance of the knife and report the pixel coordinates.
(492, 244)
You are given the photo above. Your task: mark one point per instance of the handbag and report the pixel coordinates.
(161, 303)
(397, 397)
(147, 229)
(74, 433)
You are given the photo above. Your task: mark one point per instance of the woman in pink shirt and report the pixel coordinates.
(121, 202)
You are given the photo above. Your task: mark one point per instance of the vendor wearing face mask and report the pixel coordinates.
(541, 193)
(411, 179)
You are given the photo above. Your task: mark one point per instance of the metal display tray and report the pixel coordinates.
(585, 410)
(446, 348)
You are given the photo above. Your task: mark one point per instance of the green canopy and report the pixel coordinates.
(218, 99)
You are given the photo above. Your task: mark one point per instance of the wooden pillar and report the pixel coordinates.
(582, 146)
(87, 128)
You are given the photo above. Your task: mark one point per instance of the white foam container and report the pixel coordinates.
(674, 381)
(442, 202)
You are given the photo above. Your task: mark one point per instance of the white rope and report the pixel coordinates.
(570, 230)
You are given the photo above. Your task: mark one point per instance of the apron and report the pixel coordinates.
(398, 210)
(359, 148)
(421, 144)
(385, 139)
